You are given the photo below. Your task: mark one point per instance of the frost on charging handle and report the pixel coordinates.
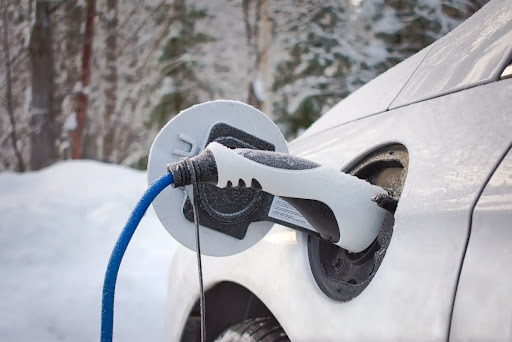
(359, 218)
(337, 205)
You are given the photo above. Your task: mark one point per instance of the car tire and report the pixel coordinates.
(262, 329)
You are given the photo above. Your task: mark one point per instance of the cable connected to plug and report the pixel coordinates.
(202, 305)
(109, 284)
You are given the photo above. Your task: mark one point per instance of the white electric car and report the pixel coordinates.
(436, 130)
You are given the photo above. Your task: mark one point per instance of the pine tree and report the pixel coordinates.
(406, 26)
(181, 65)
(321, 52)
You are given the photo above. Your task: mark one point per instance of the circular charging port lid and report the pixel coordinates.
(185, 136)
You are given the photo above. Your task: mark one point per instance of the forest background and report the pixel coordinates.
(98, 79)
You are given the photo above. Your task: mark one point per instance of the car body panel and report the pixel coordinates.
(453, 148)
(374, 97)
(483, 308)
(475, 53)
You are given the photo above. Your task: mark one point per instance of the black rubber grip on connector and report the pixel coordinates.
(205, 169)
(386, 202)
(230, 210)
(278, 160)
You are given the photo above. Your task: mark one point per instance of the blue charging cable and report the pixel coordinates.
(109, 284)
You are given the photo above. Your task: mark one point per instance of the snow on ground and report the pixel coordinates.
(57, 229)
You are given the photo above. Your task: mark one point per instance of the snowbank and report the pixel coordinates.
(57, 229)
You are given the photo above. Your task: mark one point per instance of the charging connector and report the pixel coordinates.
(338, 206)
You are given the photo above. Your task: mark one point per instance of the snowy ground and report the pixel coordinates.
(57, 229)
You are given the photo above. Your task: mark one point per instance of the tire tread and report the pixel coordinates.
(260, 329)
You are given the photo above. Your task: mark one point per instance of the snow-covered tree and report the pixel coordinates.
(321, 51)
(183, 84)
(406, 26)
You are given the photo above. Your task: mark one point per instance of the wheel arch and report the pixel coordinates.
(227, 303)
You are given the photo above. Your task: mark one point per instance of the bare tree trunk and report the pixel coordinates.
(252, 37)
(42, 140)
(70, 50)
(30, 8)
(266, 68)
(8, 91)
(110, 81)
(83, 98)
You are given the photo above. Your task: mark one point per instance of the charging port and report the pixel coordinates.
(343, 275)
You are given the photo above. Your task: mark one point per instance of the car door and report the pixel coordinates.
(483, 305)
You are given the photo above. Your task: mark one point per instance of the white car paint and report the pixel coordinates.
(483, 309)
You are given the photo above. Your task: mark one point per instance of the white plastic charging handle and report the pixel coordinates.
(359, 218)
